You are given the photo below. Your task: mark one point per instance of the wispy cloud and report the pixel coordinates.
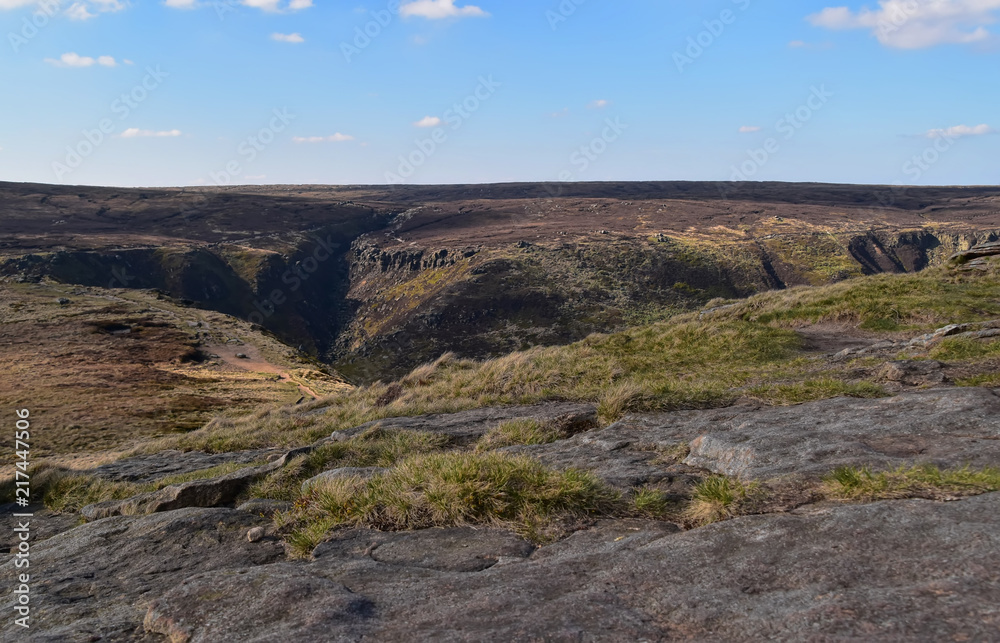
(749, 129)
(334, 138)
(135, 132)
(914, 24)
(440, 9)
(73, 59)
(428, 121)
(960, 131)
(269, 6)
(599, 104)
(278, 6)
(293, 38)
(87, 9)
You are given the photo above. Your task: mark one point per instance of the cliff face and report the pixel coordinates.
(377, 282)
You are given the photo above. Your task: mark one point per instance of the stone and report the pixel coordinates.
(94, 582)
(914, 372)
(264, 508)
(256, 534)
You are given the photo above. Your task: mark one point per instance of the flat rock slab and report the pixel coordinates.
(275, 603)
(94, 582)
(901, 570)
(950, 427)
(466, 427)
(946, 427)
(150, 468)
(458, 549)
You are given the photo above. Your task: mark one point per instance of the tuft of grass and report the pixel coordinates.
(517, 432)
(448, 489)
(376, 447)
(921, 481)
(651, 503)
(719, 498)
(618, 400)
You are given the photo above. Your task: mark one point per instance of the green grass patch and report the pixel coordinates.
(888, 302)
(448, 489)
(961, 348)
(719, 498)
(651, 503)
(989, 380)
(818, 389)
(925, 481)
(517, 432)
(375, 447)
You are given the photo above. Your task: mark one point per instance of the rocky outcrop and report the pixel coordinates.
(950, 427)
(211, 492)
(905, 570)
(465, 427)
(95, 582)
(977, 252)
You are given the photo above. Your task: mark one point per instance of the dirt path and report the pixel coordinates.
(256, 363)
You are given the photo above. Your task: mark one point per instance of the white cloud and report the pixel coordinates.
(795, 44)
(87, 9)
(335, 138)
(915, 24)
(270, 6)
(73, 59)
(439, 9)
(428, 121)
(15, 4)
(135, 132)
(749, 129)
(599, 104)
(562, 112)
(959, 131)
(278, 6)
(293, 38)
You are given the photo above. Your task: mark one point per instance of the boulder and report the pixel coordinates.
(991, 249)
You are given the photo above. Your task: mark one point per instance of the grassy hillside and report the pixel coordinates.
(754, 348)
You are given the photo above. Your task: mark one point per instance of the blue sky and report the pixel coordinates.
(206, 92)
